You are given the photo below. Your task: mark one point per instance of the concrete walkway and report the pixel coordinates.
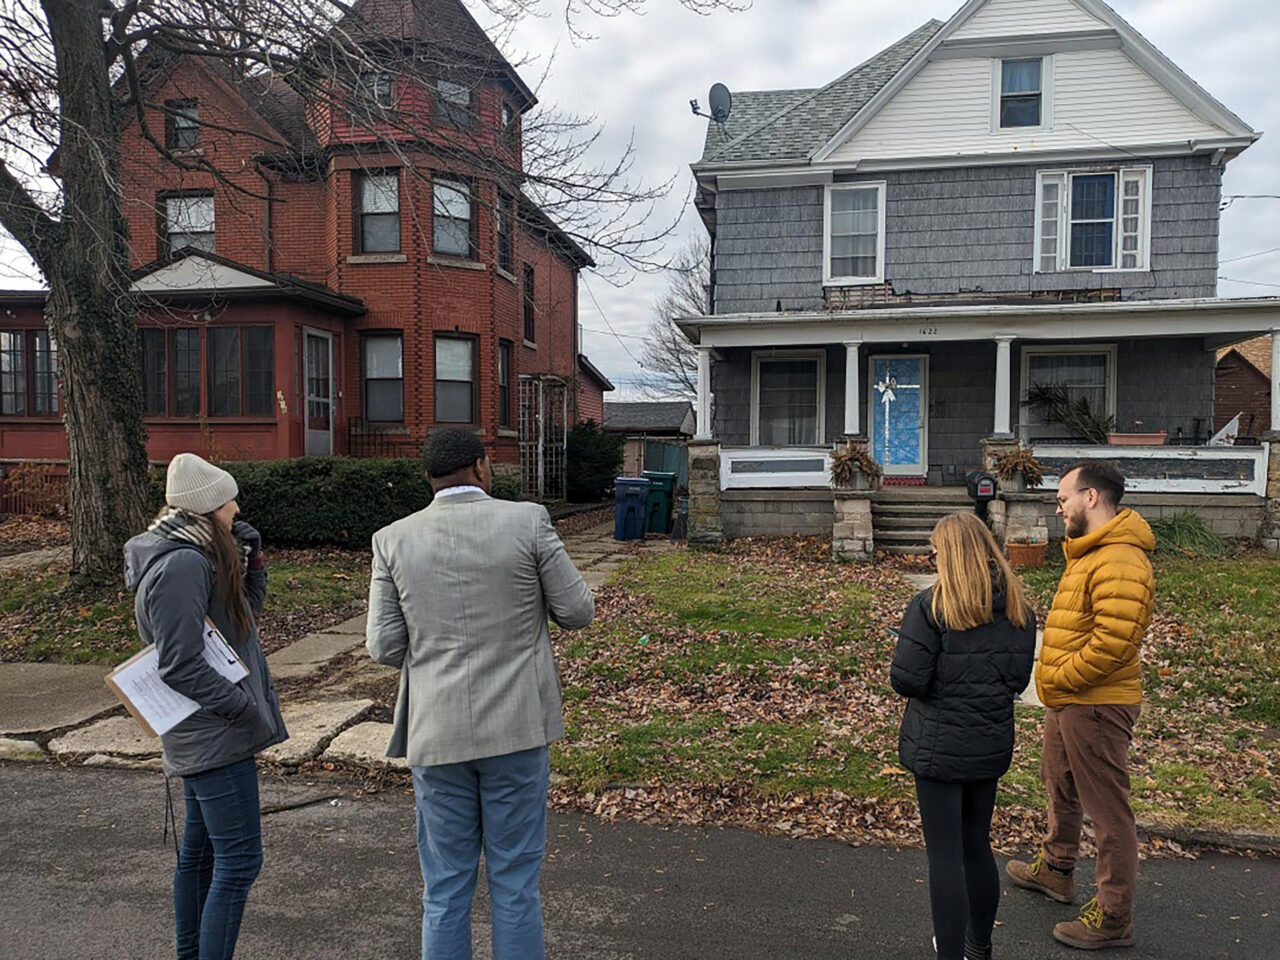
(86, 874)
(34, 561)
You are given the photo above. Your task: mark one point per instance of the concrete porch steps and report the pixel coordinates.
(904, 517)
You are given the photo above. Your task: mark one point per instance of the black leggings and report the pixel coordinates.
(964, 885)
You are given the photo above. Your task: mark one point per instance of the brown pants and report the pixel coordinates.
(1085, 768)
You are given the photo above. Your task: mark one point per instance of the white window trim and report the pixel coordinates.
(1064, 219)
(1046, 94)
(827, 279)
(820, 356)
(1075, 349)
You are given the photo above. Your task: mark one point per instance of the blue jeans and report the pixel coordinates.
(221, 856)
(500, 803)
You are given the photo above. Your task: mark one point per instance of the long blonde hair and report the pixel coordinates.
(967, 554)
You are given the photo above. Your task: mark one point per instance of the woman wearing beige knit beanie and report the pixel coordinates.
(195, 564)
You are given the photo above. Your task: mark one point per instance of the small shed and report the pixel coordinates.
(656, 433)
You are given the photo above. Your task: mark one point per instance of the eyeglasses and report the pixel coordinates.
(933, 558)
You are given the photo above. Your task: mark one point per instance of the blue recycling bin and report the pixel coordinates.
(629, 499)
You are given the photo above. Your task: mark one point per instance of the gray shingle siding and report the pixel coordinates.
(957, 231)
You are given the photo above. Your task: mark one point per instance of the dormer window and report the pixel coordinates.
(1021, 91)
(182, 131)
(453, 103)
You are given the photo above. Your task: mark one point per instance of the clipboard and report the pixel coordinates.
(156, 706)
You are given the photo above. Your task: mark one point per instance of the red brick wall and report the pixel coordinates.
(590, 400)
(1239, 387)
(311, 236)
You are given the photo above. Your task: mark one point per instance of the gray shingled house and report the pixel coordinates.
(1027, 194)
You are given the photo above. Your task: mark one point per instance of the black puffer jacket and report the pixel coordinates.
(958, 725)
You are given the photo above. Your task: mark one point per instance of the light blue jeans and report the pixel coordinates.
(500, 804)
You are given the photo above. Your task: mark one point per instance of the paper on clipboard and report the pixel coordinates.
(155, 704)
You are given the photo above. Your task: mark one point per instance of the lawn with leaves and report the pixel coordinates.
(39, 621)
(750, 687)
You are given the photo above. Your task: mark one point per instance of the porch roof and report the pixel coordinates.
(1219, 320)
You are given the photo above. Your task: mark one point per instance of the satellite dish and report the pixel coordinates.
(721, 102)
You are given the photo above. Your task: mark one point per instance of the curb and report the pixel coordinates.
(1238, 840)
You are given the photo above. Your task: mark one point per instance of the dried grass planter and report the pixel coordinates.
(1025, 555)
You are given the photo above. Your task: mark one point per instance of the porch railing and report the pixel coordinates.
(365, 439)
(744, 468)
(1168, 469)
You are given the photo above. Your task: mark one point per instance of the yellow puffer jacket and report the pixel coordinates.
(1099, 615)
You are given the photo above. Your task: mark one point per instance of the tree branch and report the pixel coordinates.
(25, 219)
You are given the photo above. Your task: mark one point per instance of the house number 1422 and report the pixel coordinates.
(928, 331)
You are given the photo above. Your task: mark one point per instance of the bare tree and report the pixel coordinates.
(76, 74)
(669, 359)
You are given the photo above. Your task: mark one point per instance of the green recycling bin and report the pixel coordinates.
(662, 491)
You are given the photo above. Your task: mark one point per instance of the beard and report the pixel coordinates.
(1075, 525)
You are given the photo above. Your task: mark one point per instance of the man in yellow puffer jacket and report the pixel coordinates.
(1089, 678)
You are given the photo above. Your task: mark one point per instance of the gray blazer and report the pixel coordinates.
(459, 601)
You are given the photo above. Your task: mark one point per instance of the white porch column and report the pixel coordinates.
(1275, 378)
(703, 412)
(853, 388)
(1003, 388)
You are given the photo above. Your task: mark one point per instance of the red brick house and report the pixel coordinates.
(335, 295)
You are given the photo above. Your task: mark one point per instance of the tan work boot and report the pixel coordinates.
(1095, 930)
(1039, 876)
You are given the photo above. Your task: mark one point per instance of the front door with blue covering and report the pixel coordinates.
(897, 414)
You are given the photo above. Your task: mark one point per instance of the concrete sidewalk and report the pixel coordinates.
(85, 874)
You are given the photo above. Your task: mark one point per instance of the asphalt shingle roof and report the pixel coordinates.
(665, 415)
(791, 124)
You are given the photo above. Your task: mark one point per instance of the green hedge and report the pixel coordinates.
(592, 459)
(329, 501)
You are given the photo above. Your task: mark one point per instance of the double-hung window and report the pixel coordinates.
(378, 203)
(506, 221)
(182, 124)
(451, 217)
(455, 380)
(384, 377)
(530, 309)
(1093, 219)
(373, 91)
(1021, 93)
(188, 222)
(453, 103)
(787, 408)
(1086, 373)
(28, 373)
(854, 247)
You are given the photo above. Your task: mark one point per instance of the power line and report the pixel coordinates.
(591, 293)
(1250, 256)
(1252, 283)
(629, 336)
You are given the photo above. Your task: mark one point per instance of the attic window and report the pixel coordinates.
(453, 103)
(183, 127)
(188, 222)
(373, 90)
(1020, 92)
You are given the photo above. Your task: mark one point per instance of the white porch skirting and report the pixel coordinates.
(746, 468)
(1168, 469)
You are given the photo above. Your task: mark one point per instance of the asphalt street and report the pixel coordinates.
(85, 874)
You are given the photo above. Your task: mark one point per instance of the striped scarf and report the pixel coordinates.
(175, 524)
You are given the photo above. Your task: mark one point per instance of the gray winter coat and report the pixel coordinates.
(173, 586)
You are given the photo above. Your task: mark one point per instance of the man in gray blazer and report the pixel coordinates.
(459, 601)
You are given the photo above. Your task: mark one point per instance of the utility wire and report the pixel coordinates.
(1252, 283)
(591, 293)
(1250, 256)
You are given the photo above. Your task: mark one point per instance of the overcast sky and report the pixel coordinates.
(639, 72)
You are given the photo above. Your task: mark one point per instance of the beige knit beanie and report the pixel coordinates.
(197, 486)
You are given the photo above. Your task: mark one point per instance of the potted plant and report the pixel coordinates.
(1019, 469)
(853, 468)
(1056, 404)
(1026, 553)
(1138, 438)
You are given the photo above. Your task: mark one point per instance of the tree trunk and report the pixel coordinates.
(90, 311)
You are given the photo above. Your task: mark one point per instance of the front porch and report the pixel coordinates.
(930, 389)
